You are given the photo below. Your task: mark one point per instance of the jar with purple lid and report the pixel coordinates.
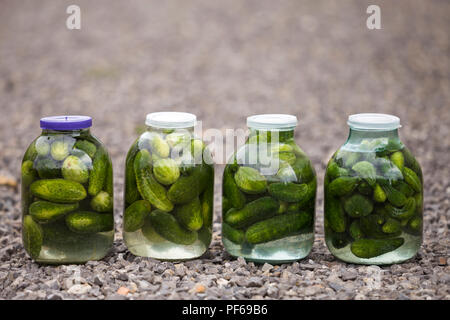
(67, 193)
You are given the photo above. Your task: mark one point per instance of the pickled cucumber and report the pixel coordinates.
(370, 248)
(32, 237)
(167, 226)
(135, 214)
(45, 211)
(89, 222)
(58, 190)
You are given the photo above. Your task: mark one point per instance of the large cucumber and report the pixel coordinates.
(32, 237)
(252, 212)
(58, 190)
(89, 222)
(167, 226)
(277, 227)
(370, 248)
(131, 191)
(45, 211)
(147, 185)
(189, 215)
(342, 186)
(358, 206)
(335, 215)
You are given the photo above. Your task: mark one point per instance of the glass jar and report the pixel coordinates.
(373, 194)
(67, 193)
(269, 190)
(169, 187)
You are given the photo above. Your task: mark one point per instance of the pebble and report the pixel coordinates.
(79, 289)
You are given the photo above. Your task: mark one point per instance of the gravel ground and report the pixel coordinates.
(225, 60)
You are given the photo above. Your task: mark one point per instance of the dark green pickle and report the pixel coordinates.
(63, 222)
(269, 191)
(373, 195)
(169, 187)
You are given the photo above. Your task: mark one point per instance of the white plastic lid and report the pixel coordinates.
(373, 121)
(272, 121)
(171, 120)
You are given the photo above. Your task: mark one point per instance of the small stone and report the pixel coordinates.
(348, 275)
(79, 289)
(266, 267)
(123, 291)
(123, 277)
(442, 261)
(54, 297)
(199, 288)
(98, 281)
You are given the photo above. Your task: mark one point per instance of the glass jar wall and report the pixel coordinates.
(269, 190)
(169, 187)
(67, 194)
(373, 195)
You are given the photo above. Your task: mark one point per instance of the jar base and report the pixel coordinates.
(59, 253)
(284, 250)
(162, 249)
(405, 252)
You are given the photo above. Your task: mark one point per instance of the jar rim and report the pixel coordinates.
(275, 121)
(373, 121)
(171, 119)
(66, 123)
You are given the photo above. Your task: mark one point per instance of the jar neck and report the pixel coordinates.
(189, 130)
(272, 136)
(70, 132)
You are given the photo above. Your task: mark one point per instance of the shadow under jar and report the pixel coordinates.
(67, 194)
(269, 190)
(169, 187)
(373, 195)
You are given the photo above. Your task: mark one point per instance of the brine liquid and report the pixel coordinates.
(406, 251)
(162, 249)
(284, 250)
(96, 248)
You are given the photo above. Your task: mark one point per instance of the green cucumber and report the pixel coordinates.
(186, 188)
(131, 191)
(135, 214)
(335, 215)
(412, 179)
(232, 234)
(87, 147)
(147, 185)
(289, 192)
(358, 206)
(58, 190)
(342, 186)
(102, 202)
(252, 212)
(74, 169)
(370, 248)
(231, 190)
(45, 211)
(250, 180)
(97, 176)
(277, 227)
(167, 226)
(189, 215)
(32, 237)
(89, 222)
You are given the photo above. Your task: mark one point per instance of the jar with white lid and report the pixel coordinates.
(269, 191)
(169, 186)
(373, 194)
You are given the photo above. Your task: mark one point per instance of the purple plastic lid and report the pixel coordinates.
(66, 123)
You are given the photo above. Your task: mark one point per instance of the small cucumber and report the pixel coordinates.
(102, 202)
(391, 226)
(355, 230)
(131, 191)
(289, 192)
(44, 211)
(97, 176)
(406, 212)
(189, 215)
(188, 187)
(74, 169)
(89, 222)
(250, 180)
(398, 159)
(231, 190)
(207, 199)
(232, 234)
(370, 248)
(366, 171)
(277, 227)
(342, 186)
(87, 147)
(135, 214)
(412, 179)
(358, 206)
